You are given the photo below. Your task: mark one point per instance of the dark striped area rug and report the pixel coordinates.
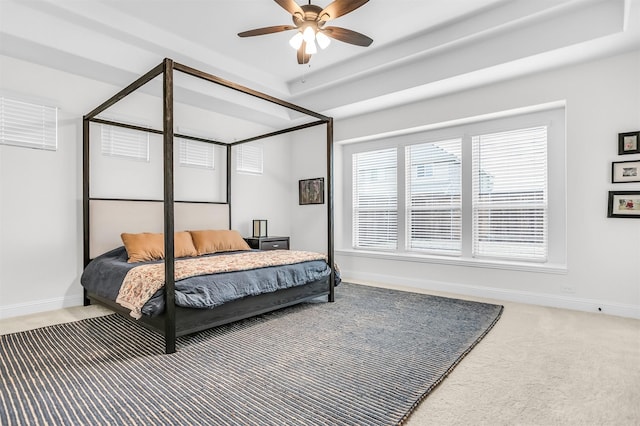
(367, 359)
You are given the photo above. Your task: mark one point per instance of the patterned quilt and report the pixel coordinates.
(143, 281)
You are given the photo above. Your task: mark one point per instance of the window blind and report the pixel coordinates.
(28, 125)
(510, 206)
(123, 142)
(249, 159)
(375, 199)
(197, 154)
(433, 193)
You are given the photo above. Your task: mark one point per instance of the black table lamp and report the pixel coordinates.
(259, 228)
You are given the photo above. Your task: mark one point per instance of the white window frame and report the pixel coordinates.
(523, 194)
(439, 202)
(121, 142)
(551, 115)
(196, 154)
(28, 125)
(249, 158)
(375, 198)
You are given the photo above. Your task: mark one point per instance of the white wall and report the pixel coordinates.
(602, 99)
(40, 212)
(265, 196)
(41, 260)
(309, 222)
(41, 191)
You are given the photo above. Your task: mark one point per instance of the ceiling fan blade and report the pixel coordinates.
(303, 58)
(291, 6)
(266, 30)
(347, 36)
(338, 8)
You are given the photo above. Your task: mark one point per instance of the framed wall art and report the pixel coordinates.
(624, 204)
(625, 171)
(629, 143)
(311, 191)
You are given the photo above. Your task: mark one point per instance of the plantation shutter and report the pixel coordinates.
(375, 199)
(28, 125)
(510, 206)
(123, 142)
(196, 154)
(434, 206)
(249, 159)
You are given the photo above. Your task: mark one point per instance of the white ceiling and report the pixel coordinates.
(421, 48)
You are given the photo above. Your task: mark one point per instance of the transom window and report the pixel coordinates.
(125, 143)
(196, 154)
(249, 159)
(28, 125)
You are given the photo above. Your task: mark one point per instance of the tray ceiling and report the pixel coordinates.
(420, 49)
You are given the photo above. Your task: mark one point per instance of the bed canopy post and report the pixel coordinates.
(169, 259)
(85, 200)
(229, 182)
(330, 247)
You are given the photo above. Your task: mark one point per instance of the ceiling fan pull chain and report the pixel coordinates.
(304, 74)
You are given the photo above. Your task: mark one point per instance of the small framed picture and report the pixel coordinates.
(625, 171)
(311, 191)
(629, 143)
(624, 204)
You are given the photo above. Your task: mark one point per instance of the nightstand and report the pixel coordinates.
(268, 243)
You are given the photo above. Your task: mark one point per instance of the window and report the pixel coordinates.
(197, 154)
(123, 142)
(375, 199)
(249, 159)
(434, 196)
(476, 193)
(28, 125)
(510, 194)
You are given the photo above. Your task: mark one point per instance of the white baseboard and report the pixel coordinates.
(19, 309)
(530, 298)
(551, 300)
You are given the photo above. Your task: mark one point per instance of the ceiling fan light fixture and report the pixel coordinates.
(309, 26)
(323, 40)
(310, 48)
(309, 35)
(296, 40)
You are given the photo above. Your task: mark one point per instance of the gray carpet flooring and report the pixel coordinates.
(367, 359)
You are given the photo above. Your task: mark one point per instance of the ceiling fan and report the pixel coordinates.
(310, 23)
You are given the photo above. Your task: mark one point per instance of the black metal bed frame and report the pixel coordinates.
(176, 321)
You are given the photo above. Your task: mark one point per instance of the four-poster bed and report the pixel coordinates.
(101, 216)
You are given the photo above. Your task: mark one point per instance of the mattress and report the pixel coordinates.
(105, 274)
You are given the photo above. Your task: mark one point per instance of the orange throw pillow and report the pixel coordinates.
(213, 241)
(148, 246)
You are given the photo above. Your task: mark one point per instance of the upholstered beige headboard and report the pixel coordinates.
(110, 218)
